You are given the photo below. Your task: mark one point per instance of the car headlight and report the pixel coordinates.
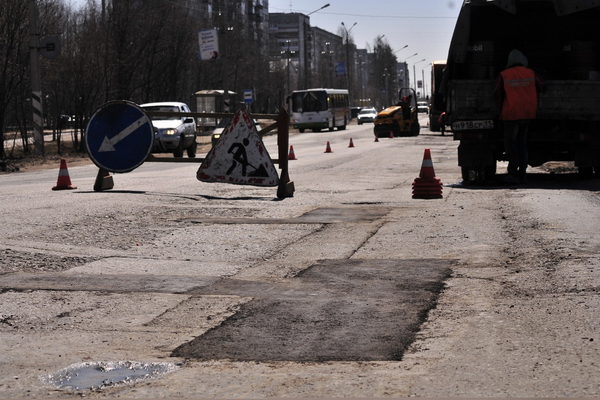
(170, 131)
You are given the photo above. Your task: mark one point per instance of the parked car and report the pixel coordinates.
(216, 134)
(173, 134)
(366, 115)
(422, 106)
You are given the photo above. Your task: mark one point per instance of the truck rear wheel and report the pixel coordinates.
(586, 172)
(472, 174)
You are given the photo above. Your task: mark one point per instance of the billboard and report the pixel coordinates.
(209, 44)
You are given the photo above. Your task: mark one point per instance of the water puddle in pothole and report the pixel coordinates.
(100, 375)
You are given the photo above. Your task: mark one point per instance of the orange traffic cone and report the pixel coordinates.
(376, 138)
(427, 185)
(63, 182)
(427, 171)
(292, 156)
(391, 135)
(328, 148)
(351, 143)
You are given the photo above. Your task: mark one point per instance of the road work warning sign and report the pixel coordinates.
(239, 156)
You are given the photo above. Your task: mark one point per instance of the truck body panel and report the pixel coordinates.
(437, 104)
(562, 44)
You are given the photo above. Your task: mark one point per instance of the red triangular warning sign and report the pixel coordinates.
(239, 156)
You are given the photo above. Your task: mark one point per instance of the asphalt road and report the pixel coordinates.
(350, 288)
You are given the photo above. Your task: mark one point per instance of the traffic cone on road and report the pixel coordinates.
(376, 138)
(427, 185)
(63, 182)
(328, 148)
(351, 143)
(391, 135)
(292, 156)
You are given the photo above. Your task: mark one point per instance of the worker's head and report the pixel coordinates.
(515, 57)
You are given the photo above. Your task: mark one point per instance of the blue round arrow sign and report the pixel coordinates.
(119, 136)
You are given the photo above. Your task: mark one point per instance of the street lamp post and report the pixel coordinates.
(423, 77)
(329, 67)
(407, 72)
(405, 46)
(415, 72)
(397, 75)
(318, 9)
(348, 69)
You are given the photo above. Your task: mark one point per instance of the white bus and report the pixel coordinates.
(318, 109)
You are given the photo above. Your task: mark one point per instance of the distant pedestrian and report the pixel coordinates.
(442, 122)
(516, 90)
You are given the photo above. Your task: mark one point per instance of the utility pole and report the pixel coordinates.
(348, 64)
(36, 86)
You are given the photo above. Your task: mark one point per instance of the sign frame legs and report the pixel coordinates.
(286, 187)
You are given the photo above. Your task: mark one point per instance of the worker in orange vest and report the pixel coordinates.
(442, 122)
(516, 90)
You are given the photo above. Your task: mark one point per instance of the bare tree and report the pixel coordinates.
(383, 74)
(13, 57)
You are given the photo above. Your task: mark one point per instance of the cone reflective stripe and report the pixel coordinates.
(292, 156)
(427, 185)
(328, 148)
(351, 143)
(427, 166)
(64, 181)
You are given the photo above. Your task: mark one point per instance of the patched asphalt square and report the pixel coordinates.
(336, 310)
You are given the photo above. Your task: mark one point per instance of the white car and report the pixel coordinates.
(422, 106)
(173, 134)
(366, 115)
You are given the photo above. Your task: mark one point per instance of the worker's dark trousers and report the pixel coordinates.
(515, 145)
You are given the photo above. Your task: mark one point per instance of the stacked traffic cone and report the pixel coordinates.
(292, 156)
(63, 182)
(351, 143)
(328, 148)
(427, 186)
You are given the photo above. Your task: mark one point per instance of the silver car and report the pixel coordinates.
(173, 134)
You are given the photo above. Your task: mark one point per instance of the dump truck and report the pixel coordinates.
(401, 119)
(561, 40)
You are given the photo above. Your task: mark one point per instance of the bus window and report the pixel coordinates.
(309, 101)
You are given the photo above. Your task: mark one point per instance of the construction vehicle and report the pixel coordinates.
(561, 40)
(401, 119)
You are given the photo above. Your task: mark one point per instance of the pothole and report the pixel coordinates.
(105, 374)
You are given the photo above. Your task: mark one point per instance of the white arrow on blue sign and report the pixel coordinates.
(119, 136)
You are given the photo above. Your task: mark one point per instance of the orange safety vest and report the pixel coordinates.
(520, 100)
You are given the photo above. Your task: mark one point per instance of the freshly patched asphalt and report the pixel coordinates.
(336, 310)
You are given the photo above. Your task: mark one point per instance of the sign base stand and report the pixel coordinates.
(104, 181)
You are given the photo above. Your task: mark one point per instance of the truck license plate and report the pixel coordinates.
(467, 125)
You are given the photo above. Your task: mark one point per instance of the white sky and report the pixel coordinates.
(426, 26)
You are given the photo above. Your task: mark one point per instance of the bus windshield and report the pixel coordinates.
(309, 101)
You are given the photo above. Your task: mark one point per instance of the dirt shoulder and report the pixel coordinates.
(21, 162)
